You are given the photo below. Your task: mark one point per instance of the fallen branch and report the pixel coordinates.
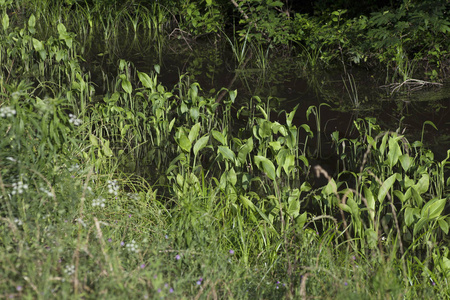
(412, 84)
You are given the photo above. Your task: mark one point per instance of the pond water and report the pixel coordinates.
(353, 94)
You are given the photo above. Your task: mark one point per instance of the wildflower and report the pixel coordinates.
(345, 283)
(19, 187)
(159, 291)
(110, 240)
(46, 192)
(133, 196)
(199, 281)
(18, 222)
(171, 290)
(231, 251)
(74, 168)
(132, 246)
(19, 288)
(7, 112)
(142, 266)
(99, 202)
(113, 187)
(74, 120)
(178, 257)
(69, 269)
(122, 243)
(166, 236)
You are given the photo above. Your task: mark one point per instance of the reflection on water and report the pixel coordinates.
(358, 95)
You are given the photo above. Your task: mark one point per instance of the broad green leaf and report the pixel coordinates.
(394, 151)
(145, 80)
(345, 207)
(219, 137)
(262, 111)
(406, 161)
(289, 163)
(184, 142)
(304, 160)
(370, 203)
(418, 200)
(106, 150)
(171, 124)
(37, 44)
(247, 202)
(330, 188)
(194, 113)
(231, 177)
(353, 206)
(433, 208)
(385, 187)
(266, 165)
(200, 144)
(276, 127)
(93, 140)
(245, 150)
(157, 68)
(410, 213)
(264, 129)
(419, 225)
(126, 85)
(372, 238)
(294, 203)
(193, 133)
(32, 21)
(305, 187)
(444, 225)
(423, 184)
(301, 220)
(275, 145)
(383, 143)
(61, 29)
(290, 116)
(233, 95)
(5, 21)
(227, 153)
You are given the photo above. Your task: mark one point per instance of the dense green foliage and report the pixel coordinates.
(140, 190)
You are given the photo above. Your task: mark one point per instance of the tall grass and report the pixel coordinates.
(152, 192)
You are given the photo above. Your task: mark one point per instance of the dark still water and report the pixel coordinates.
(353, 94)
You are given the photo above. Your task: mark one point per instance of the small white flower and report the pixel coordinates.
(132, 246)
(113, 187)
(7, 112)
(19, 187)
(74, 167)
(69, 269)
(46, 192)
(133, 196)
(98, 202)
(18, 222)
(74, 120)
